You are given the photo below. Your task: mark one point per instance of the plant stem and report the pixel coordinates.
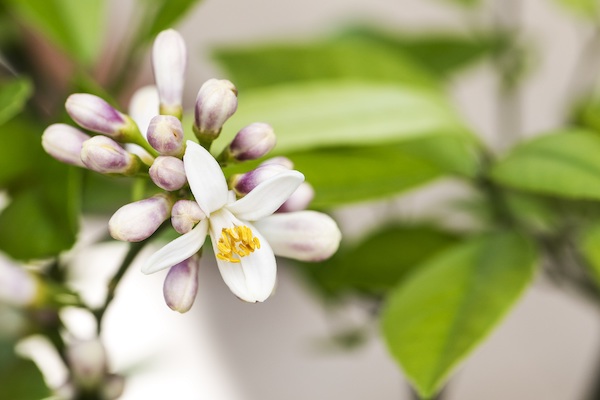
(134, 249)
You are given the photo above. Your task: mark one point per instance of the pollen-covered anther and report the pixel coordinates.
(237, 241)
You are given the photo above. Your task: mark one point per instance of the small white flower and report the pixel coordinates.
(245, 258)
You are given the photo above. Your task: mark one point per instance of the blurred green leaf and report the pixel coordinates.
(564, 164)
(584, 8)
(371, 266)
(435, 318)
(361, 54)
(350, 175)
(20, 379)
(464, 3)
(589, 246)
(13, 96)
(351, 58)
(75, 26)
(164, 14)
(41, 220)
(326, 114)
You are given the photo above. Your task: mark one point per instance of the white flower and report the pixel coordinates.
(245, 258)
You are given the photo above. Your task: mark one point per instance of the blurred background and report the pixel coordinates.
(299, 344)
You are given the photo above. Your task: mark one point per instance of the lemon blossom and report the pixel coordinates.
(244, 257)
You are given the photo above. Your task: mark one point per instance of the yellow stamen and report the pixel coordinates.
(237, 241)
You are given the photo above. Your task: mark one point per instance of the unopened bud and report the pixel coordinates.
(185, 214)
(113, 387)
(137, 221)
(168, 63)
(93, 113)
(168, 173)
(299, 200)
(280, 160)
(104, 155)
(165, 134)
(215, 103)
(181, 285)
(244, 183)
(87, 361)
(64, 142)
(252, 142)
(18, 287)
(143, 106)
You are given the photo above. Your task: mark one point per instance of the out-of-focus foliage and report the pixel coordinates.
(564, 164)
(435, 318)
(13, 95)
(20, 379)
(584, 8)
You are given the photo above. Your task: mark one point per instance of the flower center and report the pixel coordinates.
(237, 241)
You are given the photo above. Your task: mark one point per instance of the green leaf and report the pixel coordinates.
(464, 3)
(75, 26)
(13, 96)
(326, 114)
(358, 58)
(163, 14)
(20, 379)
(564, 164)
(41, 219)
(371, 267)
(589, 246)
(348, 175)
(435, 318)
(584, 8)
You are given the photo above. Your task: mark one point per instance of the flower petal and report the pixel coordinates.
(205, 178)
(267, 197)
(253, 279)
(302, 235)
(178, 250)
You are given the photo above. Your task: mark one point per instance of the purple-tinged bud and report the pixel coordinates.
(299, 200)
(93, 113)
(165, 134)
(215, 103)
(185, 214)
(252, 142)
(18, 287)
(168, 173)
(64, 142)
(87, 362)
(181, 285)
(168, 63)
(113, 387)
(242, 184)
(104, 155)
(280, 160)
(137, 221)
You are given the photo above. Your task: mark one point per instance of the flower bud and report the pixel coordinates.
(87, 361)
(137, 221)
(168, 173)
(215, 103)
(280, 160)
(242, 184)
(165, 134)
(252, 142)
(181, 285)
(93, 113)
(168, 63)
(64, 142)
(18, 287)
(185, 214)
(143, 106)
(113, 387)
(299, 200)
(104, 155)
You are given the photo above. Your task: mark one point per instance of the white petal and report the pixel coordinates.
(205, 178)
(253, 279)
(144, 106)
(267, 197)
(178, 250)
(302, 235)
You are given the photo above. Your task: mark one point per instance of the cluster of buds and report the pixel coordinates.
(190, 187)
